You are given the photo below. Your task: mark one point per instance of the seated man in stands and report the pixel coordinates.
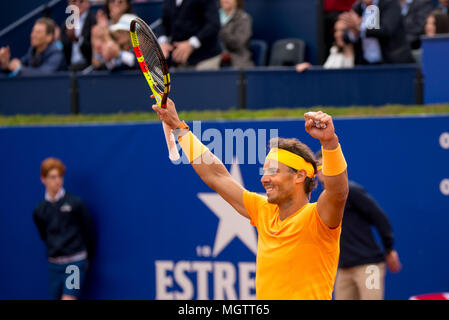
(378, 35)
(43, 57)
(189, 33)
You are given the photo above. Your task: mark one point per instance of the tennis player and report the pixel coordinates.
(298, 245)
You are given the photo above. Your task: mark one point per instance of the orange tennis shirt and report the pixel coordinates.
(297, 258)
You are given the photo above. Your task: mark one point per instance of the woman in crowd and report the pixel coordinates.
(235, 32)
(112, 12)
(341, 53)
(437, 23)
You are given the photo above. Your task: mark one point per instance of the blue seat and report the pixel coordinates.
(259, 49)
(287, 52)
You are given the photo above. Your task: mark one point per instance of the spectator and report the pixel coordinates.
(341, 53)
(415, 13)
(235, 32)
(443, 6)
(65, 226)
(112, 12)
(120, 34)
(376, 44)
(76, 41)
(437, 23)
(360, 255)
(43, 57)
(113, 49)
(5, 55)
(100, 36)
(189, 33)
(332, 9)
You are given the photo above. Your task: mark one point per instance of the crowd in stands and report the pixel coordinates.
(210, 34)
(357, 40)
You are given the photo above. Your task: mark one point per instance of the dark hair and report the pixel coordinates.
(49, 25)
(297, 147)
(441, 21)
(239, 4)
(108, 13)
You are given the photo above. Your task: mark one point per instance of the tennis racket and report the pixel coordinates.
(154, 68)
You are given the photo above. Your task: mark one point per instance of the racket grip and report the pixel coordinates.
(173, 153)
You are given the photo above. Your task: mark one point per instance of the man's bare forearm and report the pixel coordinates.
(210, 169)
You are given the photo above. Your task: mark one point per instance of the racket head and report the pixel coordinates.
(151, 60)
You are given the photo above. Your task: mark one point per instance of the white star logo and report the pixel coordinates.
(231, 224)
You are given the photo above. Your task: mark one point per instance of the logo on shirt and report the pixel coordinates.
(66, 207)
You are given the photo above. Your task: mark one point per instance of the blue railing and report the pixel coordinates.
(255, 88)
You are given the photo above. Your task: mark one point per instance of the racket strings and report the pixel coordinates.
(148, 47)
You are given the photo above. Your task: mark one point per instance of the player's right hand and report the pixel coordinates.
(169, 114)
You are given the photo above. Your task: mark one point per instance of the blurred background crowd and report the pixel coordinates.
(212, 34)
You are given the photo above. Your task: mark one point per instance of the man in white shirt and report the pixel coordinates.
(376, 28)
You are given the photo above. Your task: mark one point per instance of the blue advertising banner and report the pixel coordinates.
(435, 68)
(163, 234)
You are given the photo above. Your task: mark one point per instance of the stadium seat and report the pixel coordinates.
(259, 49)
(287, 52)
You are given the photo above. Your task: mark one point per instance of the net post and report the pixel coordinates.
(74, 94)
(241, 90)
(419, 86)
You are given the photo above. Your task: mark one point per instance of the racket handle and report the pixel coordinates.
(173, 153)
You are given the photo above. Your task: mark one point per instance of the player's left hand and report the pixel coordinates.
(320, 126)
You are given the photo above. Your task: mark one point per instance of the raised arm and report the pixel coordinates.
(332, 200)
(210, 169)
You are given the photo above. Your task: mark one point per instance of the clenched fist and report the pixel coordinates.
(320, 126)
